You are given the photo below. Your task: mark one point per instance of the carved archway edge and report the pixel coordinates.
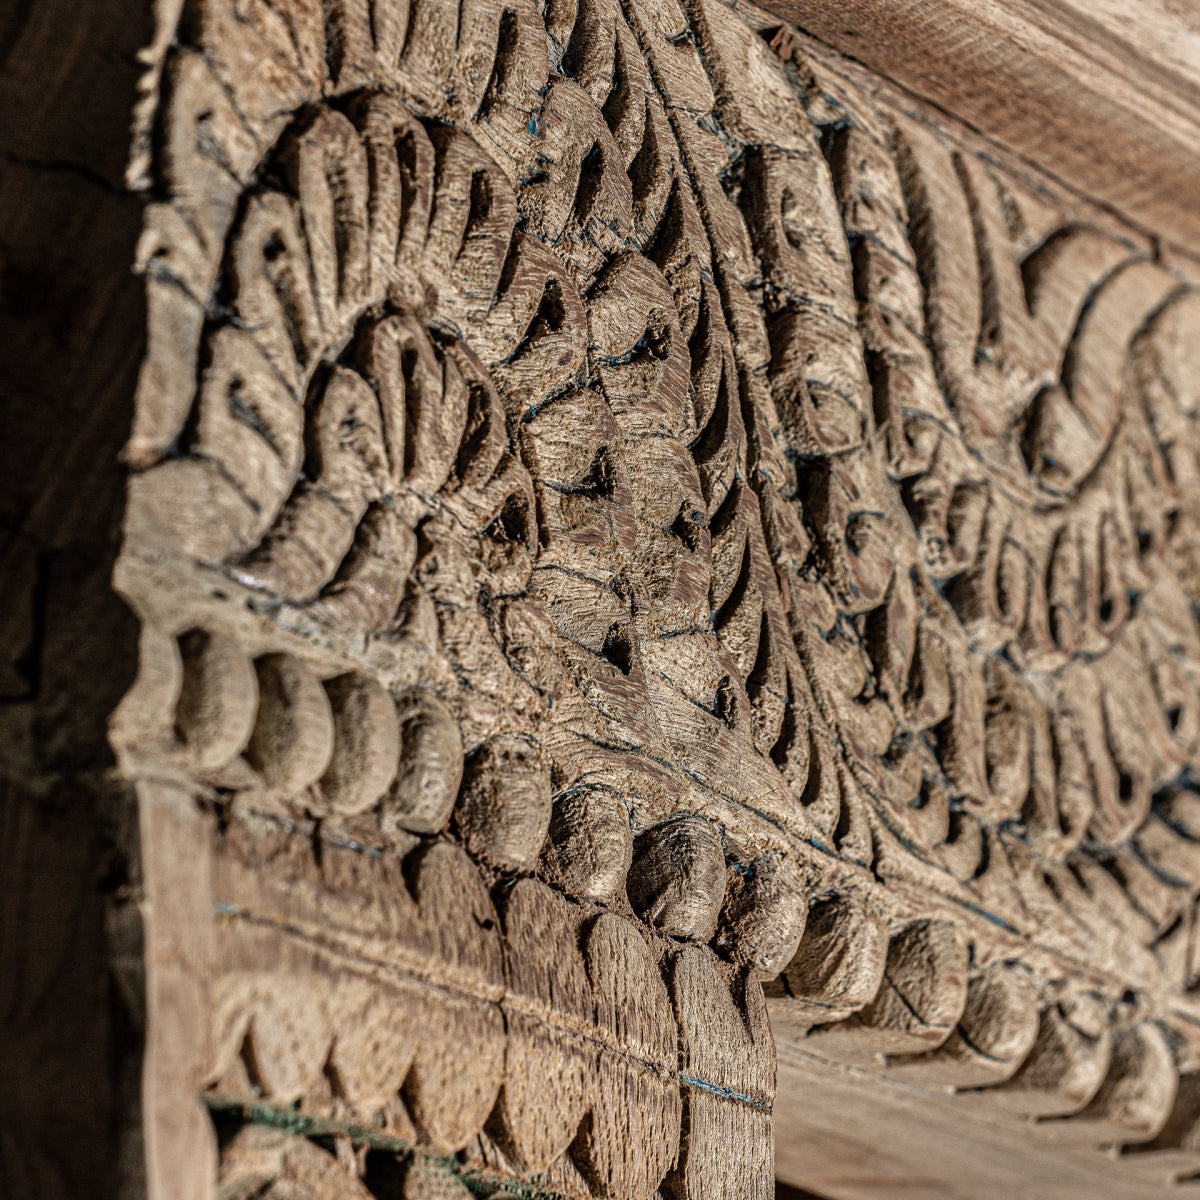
(619, 514)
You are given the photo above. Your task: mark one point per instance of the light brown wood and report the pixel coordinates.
(1105, 97)
(627, 516)
(862, 1134)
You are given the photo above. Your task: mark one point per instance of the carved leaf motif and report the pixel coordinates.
(565, 429)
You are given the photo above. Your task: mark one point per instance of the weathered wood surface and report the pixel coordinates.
(627, 516)
(1103, 96)
(594, 496)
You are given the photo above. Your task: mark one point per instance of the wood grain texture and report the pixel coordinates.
(1105, 97)
(870, 1136)
(627, 513)
(665, 489)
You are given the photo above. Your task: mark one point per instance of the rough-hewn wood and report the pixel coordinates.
(627, 515)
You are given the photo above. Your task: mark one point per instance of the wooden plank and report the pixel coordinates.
(1105, 97)
(869, 1136)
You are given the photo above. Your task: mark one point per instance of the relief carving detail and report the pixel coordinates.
(629, 524)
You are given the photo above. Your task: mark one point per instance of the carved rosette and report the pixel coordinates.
(619, 518)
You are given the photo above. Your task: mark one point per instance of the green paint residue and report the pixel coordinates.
(478, 1181)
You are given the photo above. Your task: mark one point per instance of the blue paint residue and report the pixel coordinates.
(717, 1090)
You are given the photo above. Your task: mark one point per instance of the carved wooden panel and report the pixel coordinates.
(621, 515)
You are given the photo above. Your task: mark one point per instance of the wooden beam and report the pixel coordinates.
(1104, 96)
